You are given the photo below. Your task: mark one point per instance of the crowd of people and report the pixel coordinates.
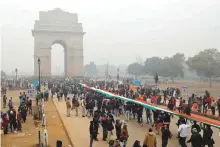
(170, 96)
(104, 111)
(12, 119)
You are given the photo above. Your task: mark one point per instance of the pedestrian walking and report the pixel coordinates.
(150, 139)
(68, 106)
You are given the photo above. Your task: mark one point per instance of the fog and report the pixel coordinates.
(117, 31)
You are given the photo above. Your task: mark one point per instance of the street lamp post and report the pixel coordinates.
(117, 77)
(38, 61)
(106, 75)
(16, 76)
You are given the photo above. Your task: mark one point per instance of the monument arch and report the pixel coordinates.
(58, 27)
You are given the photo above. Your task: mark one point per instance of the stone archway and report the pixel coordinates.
(58, 27)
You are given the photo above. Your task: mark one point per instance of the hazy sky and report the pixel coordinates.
(116, 30)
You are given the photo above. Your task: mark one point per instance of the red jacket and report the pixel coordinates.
(174, 102)
(5, 121)
(19, 116)
(209, 100)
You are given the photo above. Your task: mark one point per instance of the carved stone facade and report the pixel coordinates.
(58, 27)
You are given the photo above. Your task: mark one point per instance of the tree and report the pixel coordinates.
(153, 65)
(91, 69)
(3, 74)
(135, 69)
(167, 67)
(174, 66)
(206, 64)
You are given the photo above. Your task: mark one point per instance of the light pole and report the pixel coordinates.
(16, 76)
(117, 77)
(106, 74)
(38, 61)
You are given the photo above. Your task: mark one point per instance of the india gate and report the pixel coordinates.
(58, 27)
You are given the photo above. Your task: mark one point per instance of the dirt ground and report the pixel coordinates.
(195, 87)
(29, 135)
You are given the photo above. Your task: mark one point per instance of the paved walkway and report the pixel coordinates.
(77, 127)
(78, 130)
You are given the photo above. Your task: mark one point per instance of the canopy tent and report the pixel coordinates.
(153, 107)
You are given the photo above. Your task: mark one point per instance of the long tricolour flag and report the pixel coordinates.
(153, 107)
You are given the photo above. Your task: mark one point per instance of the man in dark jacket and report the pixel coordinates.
(127, 111)
(196, 126)
(104, 127)
(65, 93)
(166, 134)
(195, 139)
(96, 125)
(109, 126)
(91, 131)
(207, 135)
(12, 119)
(118, 125)
(139, 115)
(23, 109)
(187, 110)
(166, 119)
(4, 101)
